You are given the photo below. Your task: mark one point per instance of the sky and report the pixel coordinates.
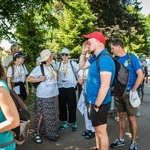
(145, 10)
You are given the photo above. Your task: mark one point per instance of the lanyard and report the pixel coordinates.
(51, 71)
(64, 69)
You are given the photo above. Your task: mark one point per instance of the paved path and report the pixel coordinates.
(69, 140)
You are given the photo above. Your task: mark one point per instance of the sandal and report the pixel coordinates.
(74, 126)
(37, 139)
(90, 135)
(85, 133)
(63, 126)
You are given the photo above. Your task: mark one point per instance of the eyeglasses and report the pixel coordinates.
(64, 54)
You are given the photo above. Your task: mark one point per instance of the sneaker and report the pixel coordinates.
(116, 118)
(117, 143)
(63, 126)
(74, 126)
(133, 146)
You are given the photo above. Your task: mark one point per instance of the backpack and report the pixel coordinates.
(21, 132)
(121, 79)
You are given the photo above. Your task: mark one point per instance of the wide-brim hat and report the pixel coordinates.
(45, 55)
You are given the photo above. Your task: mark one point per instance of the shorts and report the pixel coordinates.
(123, 105)
(100, 117)
(146, 73)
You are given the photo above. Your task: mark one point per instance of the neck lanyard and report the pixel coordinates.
(19, 71)
(51, 71)
(64, 69)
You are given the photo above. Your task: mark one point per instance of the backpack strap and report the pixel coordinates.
(129, 59)
(98, 59)
(52, 66)
(59, 65)
(73, 70)
(42, 69)
(97, 62)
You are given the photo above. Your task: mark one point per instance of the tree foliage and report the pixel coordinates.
(77, 20)
(122, 20)
(56, 24)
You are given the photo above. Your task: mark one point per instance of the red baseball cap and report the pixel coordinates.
(97, 35)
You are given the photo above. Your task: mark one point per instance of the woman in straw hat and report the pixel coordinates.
(47, 90)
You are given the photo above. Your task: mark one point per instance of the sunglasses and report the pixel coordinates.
(64, 54)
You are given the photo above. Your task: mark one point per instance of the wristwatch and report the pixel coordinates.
(95, 106)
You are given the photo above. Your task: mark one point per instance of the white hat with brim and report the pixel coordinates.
(45, 55)
(65, 51)
(134, 99)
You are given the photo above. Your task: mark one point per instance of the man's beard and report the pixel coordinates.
(92, 52)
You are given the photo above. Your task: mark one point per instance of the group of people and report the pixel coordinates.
(61, 80)
(98, 90)
(58, 80)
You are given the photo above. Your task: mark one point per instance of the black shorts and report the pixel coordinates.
(146, 73)
(100, 117)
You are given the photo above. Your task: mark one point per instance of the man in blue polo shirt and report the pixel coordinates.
(98, 91)
(123, 105)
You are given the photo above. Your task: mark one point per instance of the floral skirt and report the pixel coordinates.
(46, 107)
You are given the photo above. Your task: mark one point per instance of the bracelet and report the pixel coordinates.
(83, 54)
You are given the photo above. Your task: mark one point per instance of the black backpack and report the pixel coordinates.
(121, 79)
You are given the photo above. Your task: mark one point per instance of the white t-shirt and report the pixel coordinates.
(48, 88)
(66, 77)
(20, 73)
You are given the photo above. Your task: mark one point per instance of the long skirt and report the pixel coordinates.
(46, 107)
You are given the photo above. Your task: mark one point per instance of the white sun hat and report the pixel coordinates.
(65, 50)
(45, 55)
(134, 99)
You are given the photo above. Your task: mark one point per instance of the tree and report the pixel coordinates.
(147, 35)
(122, 20)
(77, 20)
